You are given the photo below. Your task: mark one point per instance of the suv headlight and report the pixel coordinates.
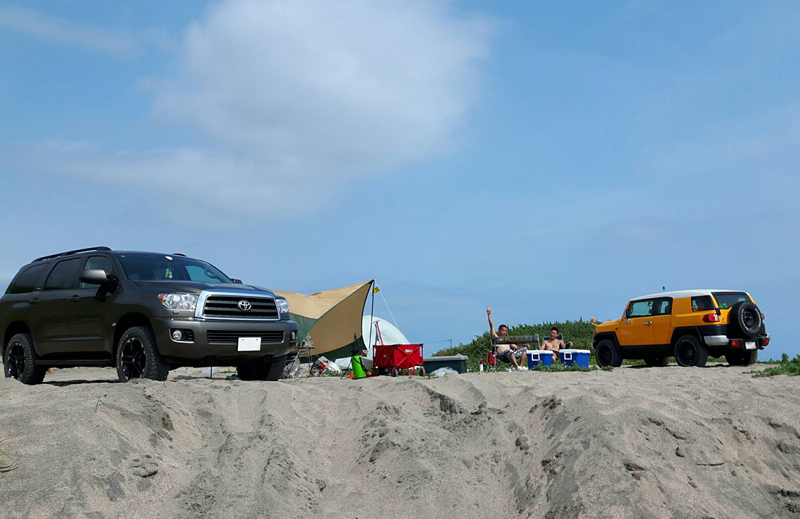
(283, 306)
(178, 301)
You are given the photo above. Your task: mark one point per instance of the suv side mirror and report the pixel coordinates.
(94, 277)
(236, 281)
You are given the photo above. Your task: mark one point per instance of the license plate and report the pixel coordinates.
(749, 345)
(249, 343)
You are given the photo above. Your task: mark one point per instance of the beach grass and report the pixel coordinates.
(785, 367)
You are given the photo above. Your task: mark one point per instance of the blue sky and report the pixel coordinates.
(550, 159)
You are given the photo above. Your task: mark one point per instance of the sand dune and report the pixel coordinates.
(636, 442)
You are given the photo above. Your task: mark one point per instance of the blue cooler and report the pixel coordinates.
(539, 357)
(578, 358)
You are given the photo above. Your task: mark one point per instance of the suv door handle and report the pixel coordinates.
(73, 299)
(648, 323)
(34, 301)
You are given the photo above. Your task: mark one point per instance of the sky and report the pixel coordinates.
(550, 159)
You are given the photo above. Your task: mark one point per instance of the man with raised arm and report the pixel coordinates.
(508, 353)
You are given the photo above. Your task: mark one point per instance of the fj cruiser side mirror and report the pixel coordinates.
(236, 281)
(94, 277)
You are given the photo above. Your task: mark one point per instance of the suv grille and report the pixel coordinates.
(228, 307)
(232, 338)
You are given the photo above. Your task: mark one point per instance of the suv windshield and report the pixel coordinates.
(726, 300)
(159, 267)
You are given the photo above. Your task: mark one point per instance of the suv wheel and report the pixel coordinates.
(690, 352)
(744, 319)
(608, 354)
(260, 370)
(656, 361)
(742, 358)
(138, 356)
(20, 360)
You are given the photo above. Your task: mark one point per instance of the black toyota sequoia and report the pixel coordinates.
(144, 313)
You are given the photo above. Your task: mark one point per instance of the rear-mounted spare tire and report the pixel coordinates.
(744, 321)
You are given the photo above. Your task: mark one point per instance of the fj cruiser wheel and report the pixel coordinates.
(20, 360)
(690, 352)
(138, 356)
(744, 319)
(745, 358)
(656, 361)
(608, 354)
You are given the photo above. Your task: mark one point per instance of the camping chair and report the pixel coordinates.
(508, 339)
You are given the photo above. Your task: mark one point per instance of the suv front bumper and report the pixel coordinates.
(279, 338)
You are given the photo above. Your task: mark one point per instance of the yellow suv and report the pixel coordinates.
(689, 325)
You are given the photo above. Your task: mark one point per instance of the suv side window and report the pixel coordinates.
(702, 304)
(663, 306)
(64, 275)
(26, 280)
(641, 308)
(98, 262)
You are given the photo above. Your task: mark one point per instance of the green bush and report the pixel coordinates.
(786, 367)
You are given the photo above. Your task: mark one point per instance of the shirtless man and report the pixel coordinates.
(553, 343)
(506, 352)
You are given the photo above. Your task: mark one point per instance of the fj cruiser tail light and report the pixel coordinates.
(736, 343)
(711, 318)
(762, 316)
(766, 342)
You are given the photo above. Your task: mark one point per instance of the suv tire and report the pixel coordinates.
(656, 361)
(607, 354)
(745, 358)
(260, 370)
(744, 320)
(690, 352)
(138, 357)
(20, 360)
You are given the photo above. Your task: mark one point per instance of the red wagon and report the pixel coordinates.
(394, 357)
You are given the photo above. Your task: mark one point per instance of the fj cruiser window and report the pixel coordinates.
(702, 304)
(663, 307)
(728, 299)
(641, 309)
(26, 281)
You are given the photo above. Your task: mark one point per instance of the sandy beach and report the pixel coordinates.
(636, 442)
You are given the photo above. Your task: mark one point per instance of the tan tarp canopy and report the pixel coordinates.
(332, 318)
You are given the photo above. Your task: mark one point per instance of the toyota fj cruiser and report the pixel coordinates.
(142, 312)
(689, 325)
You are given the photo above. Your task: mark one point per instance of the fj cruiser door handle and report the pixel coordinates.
(34, 301)
(648, 323)
(73, 299)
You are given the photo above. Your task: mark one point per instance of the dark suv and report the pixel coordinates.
(142, 312)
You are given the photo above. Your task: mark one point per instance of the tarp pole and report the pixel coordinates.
(371, 314)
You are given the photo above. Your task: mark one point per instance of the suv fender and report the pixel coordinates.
(677, 333)
(606, 335)
(126, 322)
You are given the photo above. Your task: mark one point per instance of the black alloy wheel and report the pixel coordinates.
(133, 359)
(607, 354)
(20, 360)
(15, 361)
(690, 352)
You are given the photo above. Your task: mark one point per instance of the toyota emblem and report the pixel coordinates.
(245, 305)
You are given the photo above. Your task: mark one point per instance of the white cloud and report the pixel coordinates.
(61, 31)
(330, 89)
(295, 97)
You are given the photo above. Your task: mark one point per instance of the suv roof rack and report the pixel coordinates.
(179, 254)
(70, 252)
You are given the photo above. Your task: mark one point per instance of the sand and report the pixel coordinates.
(636, 442)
